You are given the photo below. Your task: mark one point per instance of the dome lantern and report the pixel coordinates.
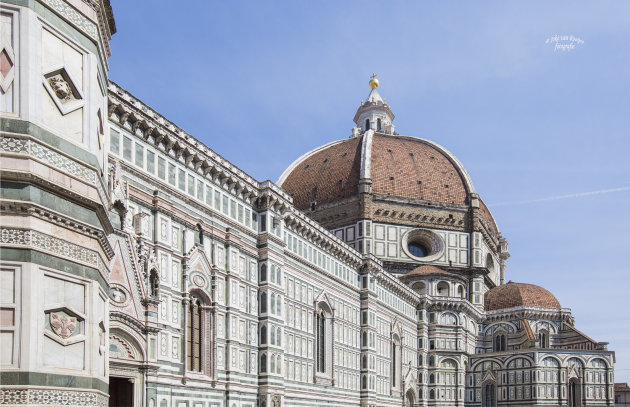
(374, 114)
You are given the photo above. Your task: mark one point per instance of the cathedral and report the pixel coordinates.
(141, 268)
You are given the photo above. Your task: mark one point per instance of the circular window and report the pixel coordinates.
(422, 245)
(417, 249)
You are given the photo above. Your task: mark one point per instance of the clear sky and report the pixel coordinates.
(262, 83)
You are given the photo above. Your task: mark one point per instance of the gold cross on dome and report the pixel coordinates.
(373, 76)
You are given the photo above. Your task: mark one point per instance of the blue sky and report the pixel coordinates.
(264, 82)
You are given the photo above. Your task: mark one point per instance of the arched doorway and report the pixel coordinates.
(575, 394)
(410, 398)
(489, 396)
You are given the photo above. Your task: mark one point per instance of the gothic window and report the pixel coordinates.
(263, 273)
(367, 124)
(263, 302)
(378, 124)
(263, 363)
(196, 333)
(543, 339)
(273, 303)
(321, 342)
(263, 334)
(489, 395)
(499, 343)
(278, 306)
(395, 361)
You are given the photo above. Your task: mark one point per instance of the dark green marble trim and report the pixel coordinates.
(31, 193)
(46, 260)
(48, 379)
(24, 127)
(53, 19)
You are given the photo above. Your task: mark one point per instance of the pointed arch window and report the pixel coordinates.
(197, 320)
(321, 342)
(499, 343)
(367, 124)
(378, 125)
(543, 339)
(323, 321)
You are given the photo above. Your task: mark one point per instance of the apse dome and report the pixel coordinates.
(512, 295)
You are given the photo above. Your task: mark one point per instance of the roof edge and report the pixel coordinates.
(297, 162)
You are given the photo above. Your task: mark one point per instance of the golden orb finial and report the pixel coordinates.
(373, 81)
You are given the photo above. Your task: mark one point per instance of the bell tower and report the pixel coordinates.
(55, 256)
(374, 114)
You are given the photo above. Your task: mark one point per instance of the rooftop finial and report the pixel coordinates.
(373, 81)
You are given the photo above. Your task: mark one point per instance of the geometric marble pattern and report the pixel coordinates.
(69, 13)
(50, 397)
(54, 159)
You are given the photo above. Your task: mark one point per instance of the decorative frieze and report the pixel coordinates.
(68, 13)
(52, 397)
(53, 245)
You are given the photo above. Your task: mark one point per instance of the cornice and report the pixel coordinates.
(144, 122)
(27, 208)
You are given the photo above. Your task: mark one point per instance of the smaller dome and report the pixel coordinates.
(426, 270)
(518, 295)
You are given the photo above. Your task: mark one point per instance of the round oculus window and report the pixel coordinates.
(417, 249)
(423, 245)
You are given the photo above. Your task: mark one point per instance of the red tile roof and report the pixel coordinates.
(409, 167)
(519, 294)
(401, 166)
(327, 175)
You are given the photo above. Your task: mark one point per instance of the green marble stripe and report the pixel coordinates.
(74, 151)
(31, 193)
(47, 260)
(49, 379)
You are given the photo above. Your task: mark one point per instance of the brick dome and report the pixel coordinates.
(398, 166)
(519, 294)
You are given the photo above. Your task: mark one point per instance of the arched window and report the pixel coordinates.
(272, 369)
(263, 334)
(278, 306)
(420, 287)
(273, 335)
(263, 302)
(378, 124)
(396, 361)
(321, 342)
(543, 339)
(273, 304)
(195, 326)
(263, 273)
(489, 398)
(279, 337)
(442, 288)
(272, 276)
(432, 394)
(278, 365)
(323, 321)
(499, 343)
(263, 363)
(460, 292)
(431, 378)
(367, 124)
